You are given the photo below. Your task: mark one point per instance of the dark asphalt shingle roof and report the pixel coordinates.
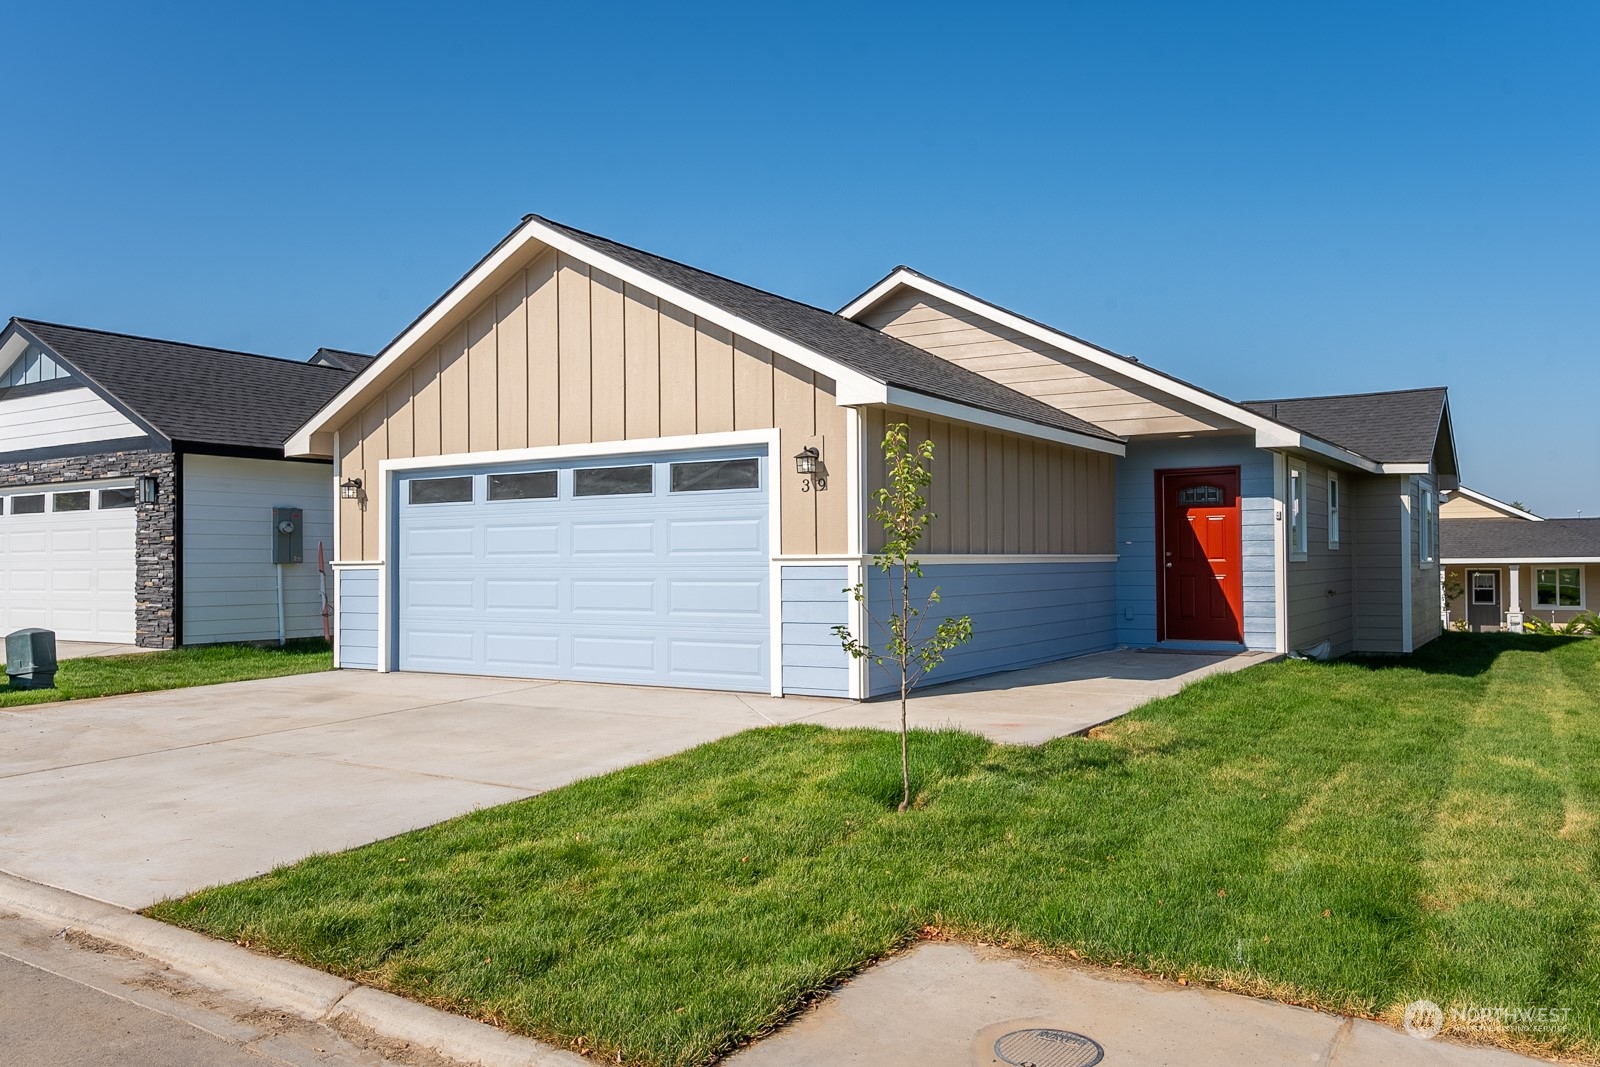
(1394, 427)
(193, 394)
(874, 354)
(1517, 539)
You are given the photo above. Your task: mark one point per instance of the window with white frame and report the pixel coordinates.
(1558, 587)
(1299, 540)
(1333, 510)
(1427, 523)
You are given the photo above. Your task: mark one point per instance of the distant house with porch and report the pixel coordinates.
(1503, 563)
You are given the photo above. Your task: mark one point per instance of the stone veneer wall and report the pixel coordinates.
(155, 542)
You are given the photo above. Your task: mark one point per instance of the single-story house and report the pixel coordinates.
(1503, 563)
(587, 461)
(138, 482)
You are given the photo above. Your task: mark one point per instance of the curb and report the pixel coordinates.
(279, 984)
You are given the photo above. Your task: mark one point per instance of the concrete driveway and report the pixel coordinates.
(134, 799)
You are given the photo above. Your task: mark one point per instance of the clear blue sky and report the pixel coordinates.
(1265, 199)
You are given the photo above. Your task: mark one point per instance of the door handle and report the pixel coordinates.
(1169, 564)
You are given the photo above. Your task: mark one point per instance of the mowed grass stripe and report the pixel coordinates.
(672, 911)
(1510, 905)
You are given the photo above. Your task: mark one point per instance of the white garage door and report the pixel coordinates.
(650, 570)
(67, 561)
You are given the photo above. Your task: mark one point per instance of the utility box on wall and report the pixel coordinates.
(288, 537)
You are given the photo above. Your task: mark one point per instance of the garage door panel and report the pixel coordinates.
(607, 652)
(72, 542)
(737, 598)
(613, 539)
(726, 659)
(660, 589)
(518, 653)
(511, 595)
(28, 543)
(439, 593)
(632, 598)
(441, 544)
(452, 649)
(522, 542)
(717, 537)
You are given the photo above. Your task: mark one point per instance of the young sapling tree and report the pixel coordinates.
(901, 509)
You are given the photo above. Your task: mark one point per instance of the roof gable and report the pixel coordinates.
(189, 394)
(868, 366)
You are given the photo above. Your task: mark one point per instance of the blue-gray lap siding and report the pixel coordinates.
(358, 618)
(1022, 614)
(1136, 533)
(814, 602)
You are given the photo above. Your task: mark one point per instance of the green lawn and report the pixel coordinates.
(1350, 835)
(102, 676)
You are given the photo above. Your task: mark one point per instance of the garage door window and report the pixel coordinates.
(70, 501)
(613, 481)
(116, 498)
(716, 474)
(27, 505)
(532, 485)
(441, 490)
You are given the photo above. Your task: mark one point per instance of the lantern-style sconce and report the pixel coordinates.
(147, 488)
(808, 464)
(350, 489)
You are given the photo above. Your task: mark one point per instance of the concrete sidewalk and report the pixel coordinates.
(945, 1005)
(1035, 704)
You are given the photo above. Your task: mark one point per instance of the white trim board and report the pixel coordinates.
(1269, 433)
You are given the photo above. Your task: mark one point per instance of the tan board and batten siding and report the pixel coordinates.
(565, 354)
(1057, 377)
(995, 493)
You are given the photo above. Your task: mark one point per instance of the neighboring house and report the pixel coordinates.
(1504, 563)
(584, 461)
(137, 484)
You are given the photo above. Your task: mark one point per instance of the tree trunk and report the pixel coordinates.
(905, 637)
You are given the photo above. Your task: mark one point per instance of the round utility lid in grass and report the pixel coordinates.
(1048, 1048)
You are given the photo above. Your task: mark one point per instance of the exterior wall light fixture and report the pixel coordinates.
(350, 489)
(147, 486)
(805, 461)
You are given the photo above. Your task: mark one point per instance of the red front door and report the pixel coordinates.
(1199, 554)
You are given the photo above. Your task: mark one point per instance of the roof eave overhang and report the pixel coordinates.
(533, 231)
(1512, 561)
(1270, 434)
(938, 407)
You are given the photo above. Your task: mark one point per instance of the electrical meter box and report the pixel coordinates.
(288, 539)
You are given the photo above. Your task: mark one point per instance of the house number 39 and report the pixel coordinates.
(822, 484)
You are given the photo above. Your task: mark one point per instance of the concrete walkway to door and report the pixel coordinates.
(1035, 704)
(133, 799)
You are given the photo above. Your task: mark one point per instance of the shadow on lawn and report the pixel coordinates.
(1462, 655)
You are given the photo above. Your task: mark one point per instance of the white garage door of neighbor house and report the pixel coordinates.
(67, 561)
(643, 569)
